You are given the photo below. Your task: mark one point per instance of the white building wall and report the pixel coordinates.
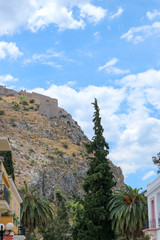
(153, 190)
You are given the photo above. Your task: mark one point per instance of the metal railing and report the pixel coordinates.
(4, 193)
(149, 224)
(21, 230)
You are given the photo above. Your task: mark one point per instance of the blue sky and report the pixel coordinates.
(75, 50)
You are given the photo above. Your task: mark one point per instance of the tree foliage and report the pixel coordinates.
(156, 161)
(35, 209)
(8, 163)
(93, 222)
(128, 210)
(59, 226)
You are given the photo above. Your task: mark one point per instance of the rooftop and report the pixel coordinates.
(4, 144)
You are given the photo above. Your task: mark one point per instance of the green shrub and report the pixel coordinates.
(16, 107)
(31, 150)
(26, 109)
(65, 145)
(2, 112)
(51, 157)
(31, 162)
(37, 106)
(13, 122)
(23, 100)
(1, 98)
(31, 100)
(60, 153)
(31, 107)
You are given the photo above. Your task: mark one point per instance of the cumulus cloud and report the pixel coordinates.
(153, 15)
(139, 34)
(130, 123)
(38, 14)
(9, 49)
(4, 79)
(110, 69)
(118, 13)
(148, 175)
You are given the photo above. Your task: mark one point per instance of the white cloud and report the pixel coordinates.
(139, 34)
(9, 49)
(108, 67)
(93, 13)
(148, 175)
(14, 15)
(153, 15)
(4, 79)
(38, 14)
(118, 13)
(150, 78)
(48, 58)
(130, 124)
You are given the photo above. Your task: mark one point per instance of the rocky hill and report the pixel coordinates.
(47, 144)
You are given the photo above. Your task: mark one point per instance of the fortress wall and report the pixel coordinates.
(38, 97)
(48, 106)
(49, 109)
(7, 92)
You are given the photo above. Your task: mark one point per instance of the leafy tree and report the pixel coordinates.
(156, 161)
(59, 227)
(35, 210)
(8, 163)
(128, 210)
(93, 222)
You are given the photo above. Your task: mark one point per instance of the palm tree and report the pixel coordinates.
(35, 209)
(128, 210)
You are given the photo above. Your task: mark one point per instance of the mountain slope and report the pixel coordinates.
(48, 151)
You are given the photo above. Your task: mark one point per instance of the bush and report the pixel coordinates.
(65, 145)
(31, 101)
(60, 153)
(26, 109)
(2, 112)
(23, 100)
(31, 150)
(16, 107)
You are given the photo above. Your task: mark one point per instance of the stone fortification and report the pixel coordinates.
(47, 106)
(7, 92)
(37, 97)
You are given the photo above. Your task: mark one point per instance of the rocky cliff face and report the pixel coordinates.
(48, 150)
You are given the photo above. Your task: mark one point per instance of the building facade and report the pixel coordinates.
(153, 198)
(10, 198)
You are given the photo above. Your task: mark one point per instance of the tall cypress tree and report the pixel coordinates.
(93, 223)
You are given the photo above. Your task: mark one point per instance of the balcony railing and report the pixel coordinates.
(21, 230)
(149, 224)
(4, 193)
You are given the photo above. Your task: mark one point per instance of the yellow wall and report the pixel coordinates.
(7, 219)
(15, 205)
